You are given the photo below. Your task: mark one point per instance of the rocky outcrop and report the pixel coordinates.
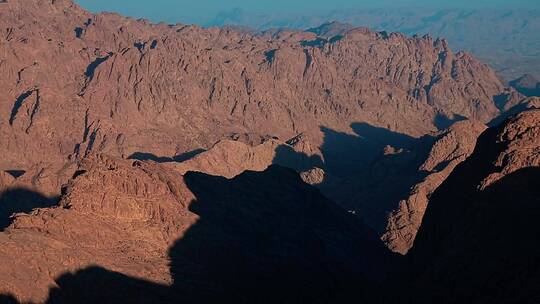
(153, 231)
(122, 215)
(451, 147)
(124, 228)
(229, 158)
(476, 243)
(128, 88)
(103, 120)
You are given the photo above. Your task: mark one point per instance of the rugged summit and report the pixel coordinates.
(73, 83)
(505, 37)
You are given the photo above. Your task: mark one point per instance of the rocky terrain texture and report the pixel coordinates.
(476, 241)
(451, 147)
(352, 112)
(230, 157)
(170, 163)
(74, 83)
(158, 236)
(137, 232)
(447, 149)
(506, 38)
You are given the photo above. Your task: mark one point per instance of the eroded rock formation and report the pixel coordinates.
(174, 237)
(476, 241)
(73, 83)
(451, 147)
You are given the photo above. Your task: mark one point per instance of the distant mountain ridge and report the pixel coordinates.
(507, 39)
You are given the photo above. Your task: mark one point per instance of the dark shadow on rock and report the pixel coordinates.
(287, 157)
(442, 121)
(317, 42)
(18, 104)
(16, 173)
(21, 200)
(501, 100)
(166, 159)
(270, 238)
(188, 155)
(377, 168)
(347, 155)
(269, 55)
(8, 299)
(91, 69)
(262, 237)
(79, 31)
(368, 172)
(522, 107)
(480, 246)
(149, 156)
(527, 85)
(98, 285)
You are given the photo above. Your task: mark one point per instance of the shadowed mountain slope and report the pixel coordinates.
(477, 240)
(262, 235)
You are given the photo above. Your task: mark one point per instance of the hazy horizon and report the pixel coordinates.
(202, 11)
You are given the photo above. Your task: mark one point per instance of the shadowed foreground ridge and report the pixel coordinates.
(277, 240)
(477, 243)
(20, 200)
(261, 236)
(267, 236)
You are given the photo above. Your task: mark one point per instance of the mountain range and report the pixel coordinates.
(157, 163)
(506, 39)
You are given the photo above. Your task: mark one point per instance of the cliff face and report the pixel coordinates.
(476, 239)
(73, 83)
(450, 148)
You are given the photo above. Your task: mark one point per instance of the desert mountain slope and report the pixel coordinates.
(477, 239)
(129, 152)
(136, 231)
(75, 83)
(450, 148)
(183, 237)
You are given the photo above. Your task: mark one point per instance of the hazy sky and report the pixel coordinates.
(200, 10)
